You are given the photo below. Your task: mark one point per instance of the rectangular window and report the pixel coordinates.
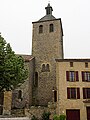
(86, 76)
(73, 93)
(72, 76)
(71, 64)
(86, 93)
(86, 65)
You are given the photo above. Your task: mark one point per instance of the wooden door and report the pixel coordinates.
(88, 113)
(72, 114)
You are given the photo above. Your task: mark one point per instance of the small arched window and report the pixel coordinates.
(41, 29)
(19, 94)
(51, 28)
(47, 68)
(36, 79)
(43, 68)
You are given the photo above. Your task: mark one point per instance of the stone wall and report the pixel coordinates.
(38, 111)
(7, 102)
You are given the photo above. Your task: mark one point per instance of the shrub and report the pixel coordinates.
(62, 117)
(34, 118)
(45, 115)
(56, 117)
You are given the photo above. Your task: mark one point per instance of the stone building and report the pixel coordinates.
(47, 45)
(53, 79)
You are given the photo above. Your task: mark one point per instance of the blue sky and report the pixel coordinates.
(16, 17)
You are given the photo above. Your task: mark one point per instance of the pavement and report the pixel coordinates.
(16, 118)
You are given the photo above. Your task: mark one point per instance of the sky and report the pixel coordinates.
(16, 17)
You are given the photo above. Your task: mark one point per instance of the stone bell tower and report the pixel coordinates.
(47, 45)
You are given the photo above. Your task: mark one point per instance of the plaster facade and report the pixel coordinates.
(63, 103)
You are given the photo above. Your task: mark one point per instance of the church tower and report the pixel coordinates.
(47, 45)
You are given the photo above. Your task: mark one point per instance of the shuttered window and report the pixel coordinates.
(73, 93)
(86, 93)
(72, 76)
(86, 76)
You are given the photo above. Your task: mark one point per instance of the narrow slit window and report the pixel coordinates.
(55, 96)
(36, 79)
(19, 94)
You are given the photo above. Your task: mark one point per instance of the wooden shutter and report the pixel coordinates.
(84, 93)
(88, 93)
(83, 77)
(78, 93)
(77, 77)
(67, 75)
(68, 93)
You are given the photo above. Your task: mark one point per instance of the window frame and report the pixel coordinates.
(72, 76)
(85, 76)
(71, 64)
(40, 29)
(51, 28)
(86, 64)
(86, 93)
(73, 93)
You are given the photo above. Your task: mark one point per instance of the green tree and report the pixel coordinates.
(12, 70)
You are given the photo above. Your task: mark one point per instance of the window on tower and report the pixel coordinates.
(43, 68)
(47, 68)
(19, 94)
(51, 28)
(36, 79)
(41, 29)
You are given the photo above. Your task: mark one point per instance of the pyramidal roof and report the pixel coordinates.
(48, 15)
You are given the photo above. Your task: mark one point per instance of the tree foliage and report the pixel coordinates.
(12, 70)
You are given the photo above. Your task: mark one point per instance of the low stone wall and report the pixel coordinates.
(38, 111)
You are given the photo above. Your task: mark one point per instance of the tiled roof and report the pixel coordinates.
(27, 58)
(47, 17)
